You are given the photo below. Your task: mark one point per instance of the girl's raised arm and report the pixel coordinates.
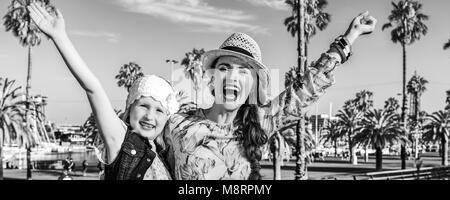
(109, 124)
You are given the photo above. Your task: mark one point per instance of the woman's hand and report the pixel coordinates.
(362, 24)
(52, 26)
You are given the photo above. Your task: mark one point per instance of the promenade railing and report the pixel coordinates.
(426, 173)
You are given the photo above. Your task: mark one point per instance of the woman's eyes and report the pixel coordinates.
(223, 68)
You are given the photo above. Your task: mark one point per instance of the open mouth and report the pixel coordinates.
(147, 125)
(230, 92)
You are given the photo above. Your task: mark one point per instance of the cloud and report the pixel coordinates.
(109, 36)
(275, 4)
(198, 13)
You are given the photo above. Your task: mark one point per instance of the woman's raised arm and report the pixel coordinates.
(319, 76)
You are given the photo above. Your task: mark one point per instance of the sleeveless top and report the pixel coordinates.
(135, 161)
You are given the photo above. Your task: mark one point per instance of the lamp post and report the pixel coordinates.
(172, 62)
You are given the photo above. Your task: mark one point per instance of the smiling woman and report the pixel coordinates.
(224, 141)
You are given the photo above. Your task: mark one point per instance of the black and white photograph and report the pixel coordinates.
(180, 90)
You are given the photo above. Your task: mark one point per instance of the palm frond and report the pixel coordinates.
(128, 73)
(315, 17)
(447, 45)
(386, 26)
(408, 21)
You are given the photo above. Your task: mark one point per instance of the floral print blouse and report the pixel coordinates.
(200, 149)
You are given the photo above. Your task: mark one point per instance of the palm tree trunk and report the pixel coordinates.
(354, 156)
(1, 160)
(416, 147)
(349, 146)
(335, 149)
(352, 149)
(366, 154)
(403, 147)
(301, 158)
(28, 88)
(276, 162)
(301, 36)
(444, 150)
(306, 56)
(379, 159)
(304, 164)
(301, 162)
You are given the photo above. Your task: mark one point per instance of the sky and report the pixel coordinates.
(110, 33)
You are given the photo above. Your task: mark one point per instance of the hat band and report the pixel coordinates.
(238, 50)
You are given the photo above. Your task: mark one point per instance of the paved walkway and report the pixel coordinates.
(341, 169)
(328, 169)
(21, 174)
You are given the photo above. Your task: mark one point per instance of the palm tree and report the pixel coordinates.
(193, 69)
(362, 103)
(307, 14)
(315, 18)
(437, 128)
(415, 88)
(18, 21)
(293, 83)
(298, 15)
(12, 111)
(409, 27)
(378, 129)
(36, 121)
(129, 73)
(391, 105)
(290, 131)
(349, 119)
(278, 146)
(334, 133)
(447, 101)
(90, 129)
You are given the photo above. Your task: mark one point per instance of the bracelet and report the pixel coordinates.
(336, 48)
(346, 45)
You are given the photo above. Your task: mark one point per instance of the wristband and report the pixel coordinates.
(336, 48)
(346, 45)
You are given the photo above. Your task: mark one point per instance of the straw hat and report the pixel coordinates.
(243, 46)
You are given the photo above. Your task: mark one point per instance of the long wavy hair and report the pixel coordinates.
(250, 133)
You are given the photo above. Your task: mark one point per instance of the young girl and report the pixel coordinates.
(131, 144)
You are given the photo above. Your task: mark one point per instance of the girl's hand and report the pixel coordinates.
(52, 26)
(362, 24)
